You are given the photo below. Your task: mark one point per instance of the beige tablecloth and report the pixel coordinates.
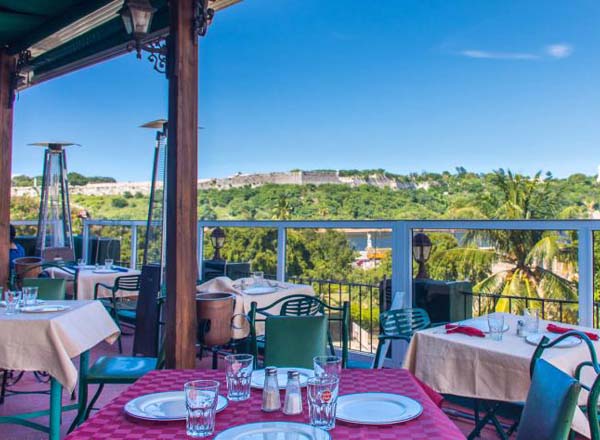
(243, 300)
(481, 368)
(87, 279)
(49, 341)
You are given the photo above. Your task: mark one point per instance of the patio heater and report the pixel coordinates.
(154, 243)
(54, 217)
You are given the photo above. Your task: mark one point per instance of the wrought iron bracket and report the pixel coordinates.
(203, 16)
(19, 76)
(158, 49)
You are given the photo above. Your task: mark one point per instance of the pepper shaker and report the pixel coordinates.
(270, 398)
(293, 399)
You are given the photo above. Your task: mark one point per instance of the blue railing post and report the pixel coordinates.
(281, 248)
(85, 241)
(586, 276)
(133, 256)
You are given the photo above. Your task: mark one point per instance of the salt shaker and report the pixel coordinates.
(270, 398)
(293, 398)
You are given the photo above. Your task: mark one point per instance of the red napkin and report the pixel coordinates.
(465, 330)
(553, 328)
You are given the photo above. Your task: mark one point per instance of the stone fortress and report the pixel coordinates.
(238, 180)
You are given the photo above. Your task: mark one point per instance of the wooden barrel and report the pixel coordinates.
(215, 312)
(27, 267)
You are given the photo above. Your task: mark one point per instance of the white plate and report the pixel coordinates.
(105, 271)
(571, 341)
(258, 377)
(377, 408)
(482, 324)
(44, 309)
(166, 406)
(274, 431)
(37, 301)
(259, 290)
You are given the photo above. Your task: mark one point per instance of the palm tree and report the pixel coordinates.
(527, 260)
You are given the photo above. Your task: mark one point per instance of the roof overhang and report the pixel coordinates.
(82, 33)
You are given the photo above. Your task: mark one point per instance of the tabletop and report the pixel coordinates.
(49, 341)
(111, 422)
(482, 368)
(88, 278)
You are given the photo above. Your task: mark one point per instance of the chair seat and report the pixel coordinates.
(353, 363)
(127, 316)
(120, 369)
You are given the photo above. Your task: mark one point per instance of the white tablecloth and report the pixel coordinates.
(225, 284)
(49, 341)
(87, 279)
(482, 368)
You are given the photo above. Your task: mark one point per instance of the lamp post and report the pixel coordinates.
(421, 251)
(217, 238)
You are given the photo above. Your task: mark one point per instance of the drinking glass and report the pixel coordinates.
(532, 320)
(496, 324)
(108, 263)
(239, 373)
(30, 295)
(327, 366)
(81, 262)
(201, 397)
(12, 298)
(258, 279)
(322, 394)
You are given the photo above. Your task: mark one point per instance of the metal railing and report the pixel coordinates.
(401, 249)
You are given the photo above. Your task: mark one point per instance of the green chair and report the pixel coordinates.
(399, 324)
(293, 341)
(128, 283)
(550, 404)
(303, 305)
(49, 289)
(128, 369)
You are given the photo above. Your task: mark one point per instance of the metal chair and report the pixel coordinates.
(303, 305)
(399, 324)
(49, 289)
(127, 369)
(128, 283)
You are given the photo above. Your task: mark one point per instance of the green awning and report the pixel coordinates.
(63, 35)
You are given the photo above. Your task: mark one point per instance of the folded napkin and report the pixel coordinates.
(465, 330)
(120, 269)
(553, 328)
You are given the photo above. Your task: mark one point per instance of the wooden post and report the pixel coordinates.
(182, 188)
(6, 127)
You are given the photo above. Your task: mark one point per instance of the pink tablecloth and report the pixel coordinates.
(111, 423)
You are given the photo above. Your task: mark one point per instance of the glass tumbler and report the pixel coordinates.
(201, 397)
(532, 320)
(239, 373)
(322, 394)
(30, 295)
(496, 324)
(12, 298)
(258, 279)
(108, 263)
(327, 366)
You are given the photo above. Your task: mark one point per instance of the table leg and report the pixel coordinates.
(84, 360)
(55, 408)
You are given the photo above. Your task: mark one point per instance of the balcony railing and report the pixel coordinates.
(584, 310)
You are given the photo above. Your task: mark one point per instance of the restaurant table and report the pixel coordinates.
(87, 280)
(112, 423)
(481, 368)
(225, 284)
(48, 342)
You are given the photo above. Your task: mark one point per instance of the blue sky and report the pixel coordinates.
(406, 85)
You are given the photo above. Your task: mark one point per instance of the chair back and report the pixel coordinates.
(51, 253)
(128, 282)
(550, 404)
(403, 323)
(385, 294)
(295, 340)
(145, 340)
(302, 306)
(49, 289)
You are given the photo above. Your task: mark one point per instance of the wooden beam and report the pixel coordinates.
(182, 188)
(6, 128)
